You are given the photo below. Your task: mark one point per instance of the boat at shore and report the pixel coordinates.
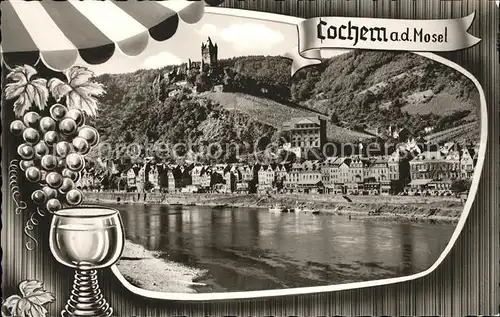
(276, 208)
(310, 210)
(297, 208)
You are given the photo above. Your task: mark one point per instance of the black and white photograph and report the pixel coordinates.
(210, 164)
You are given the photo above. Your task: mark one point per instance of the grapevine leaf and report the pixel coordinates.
(18, 75)
(28, 287)
(80, 91)
(58, 88)
(21, 105)
(11, 304)
(29, 71)
(33, 300)
(41, 94)
(13, 90)
(22, 73)
(27, 91)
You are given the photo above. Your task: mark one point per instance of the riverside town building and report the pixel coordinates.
(424, 173)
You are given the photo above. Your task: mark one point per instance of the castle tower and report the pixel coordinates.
(209, 52)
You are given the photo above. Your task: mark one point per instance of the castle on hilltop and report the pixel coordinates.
(178, 74)
(209, 54)
(209, 59)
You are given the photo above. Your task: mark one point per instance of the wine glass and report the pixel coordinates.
(87, 238)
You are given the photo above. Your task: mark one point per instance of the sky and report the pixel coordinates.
(235, 36)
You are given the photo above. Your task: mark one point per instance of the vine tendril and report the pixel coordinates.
(21, 205)
(30, 226)
(14, 187)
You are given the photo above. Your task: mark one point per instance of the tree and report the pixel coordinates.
(203, 83)
(148, 186)
(191, 75)
(460, 185)
(334, 119)
(228, 78)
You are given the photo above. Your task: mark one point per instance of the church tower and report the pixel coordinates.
(209, 52)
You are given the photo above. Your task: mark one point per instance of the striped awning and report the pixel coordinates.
(57, 32)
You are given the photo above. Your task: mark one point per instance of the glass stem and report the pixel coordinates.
(86, 298)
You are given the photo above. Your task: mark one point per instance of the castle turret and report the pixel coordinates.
(209, 53)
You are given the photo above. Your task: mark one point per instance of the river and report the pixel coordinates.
(252, 249)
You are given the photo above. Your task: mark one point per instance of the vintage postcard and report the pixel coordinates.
(183, 150)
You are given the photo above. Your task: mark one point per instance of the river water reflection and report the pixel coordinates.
(252, 249)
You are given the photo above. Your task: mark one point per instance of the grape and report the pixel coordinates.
(31, 119)
(74, 176)
(54, 179)
(90, 134)
(50, 192)
(75, 162)
(17, 127)
(26, 151)
(68, 126)
(74, 197)
(76, 115)
(39, 197)
(41, 149)
(66, 186)
(47, 124)
(58, 111)
(51, 137)
(53, 205)
(24, 164)
(63, 148)
(43, 177)
(31, 135)
(61, 163)
(49, 162)
(33, 174)
(81, 145)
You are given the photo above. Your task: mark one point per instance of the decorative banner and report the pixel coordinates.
(379, 34)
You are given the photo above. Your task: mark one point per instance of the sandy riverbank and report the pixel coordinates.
(400, 208)
(145, 269)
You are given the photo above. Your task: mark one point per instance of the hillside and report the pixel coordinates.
(375, 89)
(461, 134)
(358, 91)
(274, 113)
(363, 90)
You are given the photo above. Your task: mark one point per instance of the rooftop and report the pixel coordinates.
(303, 120)
(420, 181)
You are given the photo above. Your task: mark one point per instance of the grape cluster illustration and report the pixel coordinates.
(53, 143)
(52, 154)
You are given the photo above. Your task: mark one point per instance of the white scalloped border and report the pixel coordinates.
(319, 289)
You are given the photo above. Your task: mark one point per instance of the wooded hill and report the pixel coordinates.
(358, 91)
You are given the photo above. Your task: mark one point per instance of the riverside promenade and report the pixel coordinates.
(384, 207)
